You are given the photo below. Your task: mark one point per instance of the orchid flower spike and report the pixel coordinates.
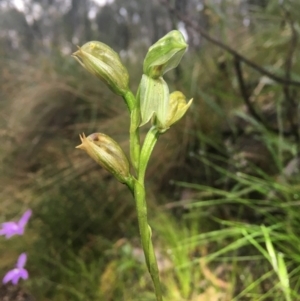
(10, 229)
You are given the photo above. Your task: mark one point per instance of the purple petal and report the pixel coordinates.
(9, 276)
(23, 274)
(21, 261)
(9, 226)
(24, 219)
(10, 229)
(15, 279)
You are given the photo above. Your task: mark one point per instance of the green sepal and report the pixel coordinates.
(165, 54)
(108, 154)
(177, 108)
(154, 99)
(102, 61)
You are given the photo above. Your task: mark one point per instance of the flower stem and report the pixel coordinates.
(135, 146)
(148, 146)
(141, 206)
(139, 159)
(145, 233)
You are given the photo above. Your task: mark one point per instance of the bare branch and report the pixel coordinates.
(246, 98)
(188, 22)
(292, 109)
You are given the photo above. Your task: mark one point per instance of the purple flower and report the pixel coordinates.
(10, 229)
(18, 272)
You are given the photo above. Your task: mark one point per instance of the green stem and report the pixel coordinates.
(135, 146)
(129, 100)
(130, 184)
(145, 233)
(139, 159)
(146, 152)
(141, 206)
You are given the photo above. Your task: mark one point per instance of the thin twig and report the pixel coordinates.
(243, 89)
(292, 109)
(230, 50)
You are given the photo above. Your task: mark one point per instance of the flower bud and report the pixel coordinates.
(177, 108)
(154, 99)
(107, 153)
(102, 61)
(165, 54)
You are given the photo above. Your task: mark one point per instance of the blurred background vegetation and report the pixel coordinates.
(223, 184)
